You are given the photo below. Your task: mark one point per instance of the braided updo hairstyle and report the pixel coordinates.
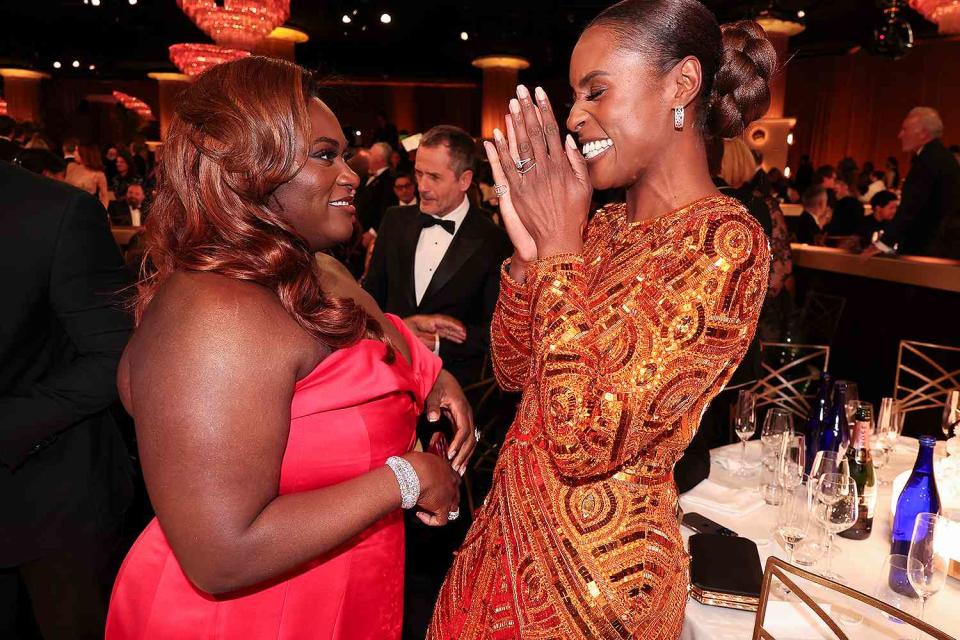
(737, 59)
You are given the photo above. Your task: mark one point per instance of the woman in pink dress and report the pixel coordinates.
(275, 404)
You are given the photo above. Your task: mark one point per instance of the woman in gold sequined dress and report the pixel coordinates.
(618, 331)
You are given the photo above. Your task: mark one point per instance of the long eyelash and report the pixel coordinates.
(595, 94)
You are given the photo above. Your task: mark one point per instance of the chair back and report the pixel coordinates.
(817, 320)
(874, 612)
(925, 374)
(790, 374)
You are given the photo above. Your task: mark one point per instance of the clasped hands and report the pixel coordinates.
(543, 183)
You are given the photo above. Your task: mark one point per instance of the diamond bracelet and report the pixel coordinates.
(407, 479)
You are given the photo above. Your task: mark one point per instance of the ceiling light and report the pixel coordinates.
(385, 18)
(56, 65)
(354, 12)
(93, 67)
(358, 132)
(801, 14)
(132, 2)
(346, 19)
(464, 36)
(786, 172)
(790, 138)
(76, 64)
(95, 3)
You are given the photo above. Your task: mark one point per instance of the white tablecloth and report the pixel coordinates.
(859, 561)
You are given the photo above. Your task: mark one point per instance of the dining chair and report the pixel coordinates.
(790, 374)
(787, 574)
(925, 374)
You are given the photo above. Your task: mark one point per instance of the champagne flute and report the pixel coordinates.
(776, 423)
(927, 559)
(951, 414)
(793, 517)
(745, 424)
(836, 509)
(792, 457)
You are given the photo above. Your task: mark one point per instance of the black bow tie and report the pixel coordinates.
(428, 221)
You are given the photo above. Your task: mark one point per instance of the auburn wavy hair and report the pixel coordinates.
(241, 130)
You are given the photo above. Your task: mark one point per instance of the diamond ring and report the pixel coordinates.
(500, 189)
(527, 169)
(476, 435)
(520, 164)
(453, 515)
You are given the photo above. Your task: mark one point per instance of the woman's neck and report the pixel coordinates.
(678, 177)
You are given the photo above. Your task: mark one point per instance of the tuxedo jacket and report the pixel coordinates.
(928, 216)
(119, 212)
(464, 286)
(373, 199)
(8, 150)
(64, 470)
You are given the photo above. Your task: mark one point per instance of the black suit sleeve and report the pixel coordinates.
(376, 281)
(917, 192)
(694, 466)
(86, 275)
(478, 331)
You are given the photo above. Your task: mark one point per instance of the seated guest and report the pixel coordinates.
(87, 173)
(43, 162)
(375, 194)
(928, 217)
(876, 185)
(816, 213)
(872, 227)
(274, 402)
(826, 177)
(126, 175)
(129, 211)
(8, 147)
(405, 189)
(847, 212)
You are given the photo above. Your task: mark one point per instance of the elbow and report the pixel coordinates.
(215, 572)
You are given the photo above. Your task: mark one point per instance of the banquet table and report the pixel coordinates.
(859, 561)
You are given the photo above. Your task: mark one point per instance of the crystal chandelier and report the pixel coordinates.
(136, 105)
(194, 59)
(944, 13)
(237, 27)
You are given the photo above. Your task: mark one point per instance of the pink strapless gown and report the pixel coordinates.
(347, 417)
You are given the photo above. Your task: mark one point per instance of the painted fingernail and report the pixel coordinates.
(514, 106)
(433, 416)
(522, 92)
(498, 135)
(541, 94)
(571, 143)
(450, 454)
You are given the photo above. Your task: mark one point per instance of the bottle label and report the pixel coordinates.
(868, 501)
(861, 435)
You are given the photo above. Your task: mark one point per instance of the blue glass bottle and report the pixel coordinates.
(818, 413)
(919, 495)
(835, 430)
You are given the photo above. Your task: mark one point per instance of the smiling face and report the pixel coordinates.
(318, 201)
(622, 111)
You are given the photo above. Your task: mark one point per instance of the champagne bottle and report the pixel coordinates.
(861, 470)
(818, 413)
(835, 430)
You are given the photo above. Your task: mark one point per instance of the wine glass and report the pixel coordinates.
(745, 417)
(836, 509)
(793, 454)
(793, 517)
(829, 462)
(894, 588)
(776, 423)
(927, 559)
(951, 414)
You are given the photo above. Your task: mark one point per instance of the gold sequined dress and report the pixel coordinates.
(617, 350)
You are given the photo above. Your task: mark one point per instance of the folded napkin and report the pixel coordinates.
(729, 457)
(723, 499)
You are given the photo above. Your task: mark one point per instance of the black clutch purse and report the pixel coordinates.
(725, 571)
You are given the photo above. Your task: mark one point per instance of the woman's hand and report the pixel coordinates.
(439, 487)
(525, 249)
(551, 197)
(447, 397)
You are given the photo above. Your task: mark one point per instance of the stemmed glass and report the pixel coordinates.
(951, 414)
(836, 508)
(745, 417)
(792, 457)
(927, 559)
(793, 516)
(776, 423)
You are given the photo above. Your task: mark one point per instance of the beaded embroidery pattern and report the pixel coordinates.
(618, 350)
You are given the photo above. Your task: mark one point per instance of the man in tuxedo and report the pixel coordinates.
(64, 470)
(815, 215)
(405, 189)
(375, 194)
(129, 211)
(437, 264)
(8, 147)
(928, 218)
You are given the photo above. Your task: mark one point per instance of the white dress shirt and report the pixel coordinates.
(409, 204)
(432, 246)
(135, 217)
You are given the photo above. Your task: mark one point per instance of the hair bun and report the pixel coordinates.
(741, 89)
